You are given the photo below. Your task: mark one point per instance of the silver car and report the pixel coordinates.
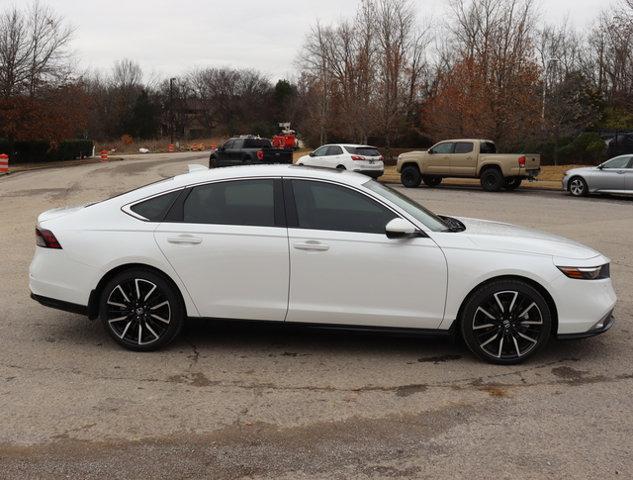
(613, 176)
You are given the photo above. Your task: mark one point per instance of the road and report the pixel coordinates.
(229, 402)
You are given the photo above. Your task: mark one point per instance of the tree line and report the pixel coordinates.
(387, 75)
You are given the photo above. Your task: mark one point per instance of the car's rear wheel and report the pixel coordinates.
(340, 167)
(513, 183)
(506, 322)
(140, 310)
(431, 180)
(410, 177)
(578, 187)
(492, 180)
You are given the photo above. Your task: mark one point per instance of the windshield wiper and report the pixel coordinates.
(453, 224)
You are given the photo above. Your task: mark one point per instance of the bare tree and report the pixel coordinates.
(126, 74)
(33, 49)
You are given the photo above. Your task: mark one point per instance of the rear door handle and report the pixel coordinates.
(311, 245)
(185, 240)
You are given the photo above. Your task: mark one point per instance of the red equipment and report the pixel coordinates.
(287, 139)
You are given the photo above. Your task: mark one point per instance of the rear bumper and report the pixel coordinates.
(60, 304)
(371, 173)
(602, 326)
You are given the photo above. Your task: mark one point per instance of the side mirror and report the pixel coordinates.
(600, 167)
(399, 228)
(311, 154)
(430, 151)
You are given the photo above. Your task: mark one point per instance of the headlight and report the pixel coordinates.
(587, 273)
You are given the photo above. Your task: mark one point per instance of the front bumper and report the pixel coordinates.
(371, 173)
(602, 326)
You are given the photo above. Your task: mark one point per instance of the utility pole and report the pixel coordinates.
(171, 110)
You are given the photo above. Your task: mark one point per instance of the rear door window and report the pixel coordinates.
(334, 150)
(243, 202)
(464, 147)
(487, 147)
(257, 143)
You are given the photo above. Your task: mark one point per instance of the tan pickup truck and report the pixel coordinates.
(467, 158)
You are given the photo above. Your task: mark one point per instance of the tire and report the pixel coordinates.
(431, 180)
(141, 324)
(492, 180)
(513, 183)
(577, 187)
(410, 177)
(341, 167)
(498, 335)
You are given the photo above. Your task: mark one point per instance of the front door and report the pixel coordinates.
(344, 269)
(612, 175)
(230, 248)
(439, 160)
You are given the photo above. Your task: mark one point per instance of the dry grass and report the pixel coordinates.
(159, 145)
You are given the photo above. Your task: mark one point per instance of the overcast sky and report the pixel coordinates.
(168, 37)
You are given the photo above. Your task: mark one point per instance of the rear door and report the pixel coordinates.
(334, 156)
(439, 162)
(228, 243)
(344, 269)
(463, 160)
(628, 176)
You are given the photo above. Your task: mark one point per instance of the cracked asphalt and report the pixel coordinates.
(231, 402)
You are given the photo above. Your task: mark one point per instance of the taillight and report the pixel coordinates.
(260, 154)
(46, 239)
(357, 157)
(522, 161)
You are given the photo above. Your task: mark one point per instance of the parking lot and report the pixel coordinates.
(230, 402)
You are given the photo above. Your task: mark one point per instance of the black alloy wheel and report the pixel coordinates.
(140, 310)
(410, 177)
(492, 180)
(506, 322)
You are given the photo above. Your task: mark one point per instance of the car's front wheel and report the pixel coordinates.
(578, 187)
(140, 310)
(506, 322)
(410, 176)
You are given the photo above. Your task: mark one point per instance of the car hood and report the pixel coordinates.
(577, 171)
(506, 237)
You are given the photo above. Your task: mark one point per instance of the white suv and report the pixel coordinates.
(357, 158)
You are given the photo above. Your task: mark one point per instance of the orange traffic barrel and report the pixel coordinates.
(4, 163)
(104, 155)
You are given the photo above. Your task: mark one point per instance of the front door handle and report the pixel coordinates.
(312, 245)
(185, 240)
(620, 172)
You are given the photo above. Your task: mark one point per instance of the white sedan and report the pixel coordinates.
(357, 158)
(313, 246)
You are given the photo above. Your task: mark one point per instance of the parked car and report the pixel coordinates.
(357, 158)
(613, 176)
(467, 158)
(318, 247)
(248, 151)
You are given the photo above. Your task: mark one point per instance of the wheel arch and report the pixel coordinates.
(489, 165)
(95, 294)
(533, 283)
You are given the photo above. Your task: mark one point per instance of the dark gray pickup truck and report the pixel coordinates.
(248, 151)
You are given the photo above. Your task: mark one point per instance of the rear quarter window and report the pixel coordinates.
(156, 208)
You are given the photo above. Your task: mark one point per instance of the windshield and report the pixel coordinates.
(429, 219)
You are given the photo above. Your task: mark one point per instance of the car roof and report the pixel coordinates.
(274, 170)
(464, 140)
